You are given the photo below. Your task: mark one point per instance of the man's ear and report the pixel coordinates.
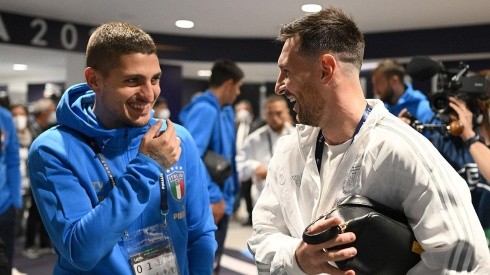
(229, 83)
(329, 64)
(92, 77)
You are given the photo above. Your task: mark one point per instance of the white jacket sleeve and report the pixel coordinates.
(272, 243)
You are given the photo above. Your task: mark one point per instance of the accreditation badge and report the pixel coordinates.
(151, 252)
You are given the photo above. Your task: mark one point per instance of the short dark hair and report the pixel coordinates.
(389, 68)
(327, 31)
(224, 69)
(272, 98)
(112, 40)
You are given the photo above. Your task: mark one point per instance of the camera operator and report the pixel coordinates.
(468, 153)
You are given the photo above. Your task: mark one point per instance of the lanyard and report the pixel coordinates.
(162, 179)
(321, 139)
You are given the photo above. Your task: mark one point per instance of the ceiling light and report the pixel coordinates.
(20, 67)
(204, 73)
(184, 24)
(311, 8)
(367, 66)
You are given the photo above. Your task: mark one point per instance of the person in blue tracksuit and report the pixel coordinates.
(397, 95)
(119, 191)
(210, 120)
(10, 188)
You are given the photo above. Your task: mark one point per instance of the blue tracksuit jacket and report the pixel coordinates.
(87, 218)
(213, 127)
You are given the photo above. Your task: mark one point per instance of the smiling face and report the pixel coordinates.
(125, 96)
(299, 80)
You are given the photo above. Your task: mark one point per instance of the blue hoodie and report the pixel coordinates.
(87, 218)
(213, 127)
(415, 102)
(9, 164)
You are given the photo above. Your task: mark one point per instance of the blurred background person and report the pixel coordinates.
(4, 99)
(10, 194)
(210, 120)
(37, 242)
(161, 109)
(466, 146)
(253, 158)
(469, 153)
(389, 85)
(245, 123)
(20, 117)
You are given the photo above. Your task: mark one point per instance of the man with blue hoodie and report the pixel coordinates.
(397, 95)
(210, 120)
(119, 191)
(10, 195)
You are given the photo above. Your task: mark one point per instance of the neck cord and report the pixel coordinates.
(321, 139)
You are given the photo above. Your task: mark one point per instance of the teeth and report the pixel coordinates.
(137, 106)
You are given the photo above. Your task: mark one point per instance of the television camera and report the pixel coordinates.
(450, 82)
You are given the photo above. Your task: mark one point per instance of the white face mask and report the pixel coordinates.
(52, 118)
(243, 116)
(164, 113)
(20, 122)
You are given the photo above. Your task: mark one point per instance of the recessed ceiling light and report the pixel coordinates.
(20, 67)
(204, 73)
(367, 66)
(185, 24)
(311, 8)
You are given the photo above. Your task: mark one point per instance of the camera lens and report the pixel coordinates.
(439, 102)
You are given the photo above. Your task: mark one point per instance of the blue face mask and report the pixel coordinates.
(163, 114)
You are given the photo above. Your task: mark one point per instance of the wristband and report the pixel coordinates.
(472, 140)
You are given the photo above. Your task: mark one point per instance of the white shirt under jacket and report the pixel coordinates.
(257, 150)
(388, 162)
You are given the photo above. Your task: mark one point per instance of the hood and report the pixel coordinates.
(410, 96)
(74, 111)
(206, 97)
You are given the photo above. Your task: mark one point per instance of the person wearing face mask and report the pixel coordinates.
(161, 109)
(20, 117)
(37, 242)
(245, 123)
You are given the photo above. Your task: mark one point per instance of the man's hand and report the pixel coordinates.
(404, 115)
(218, 209)
(163, 147)
(313, 258)
(465, 116)
(261, 172)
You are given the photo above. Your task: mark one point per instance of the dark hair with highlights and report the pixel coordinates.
(112, 40)
(327, 31)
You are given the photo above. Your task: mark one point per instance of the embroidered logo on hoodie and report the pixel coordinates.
(175, 178)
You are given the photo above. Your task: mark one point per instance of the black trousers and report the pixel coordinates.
(7, 239)
(220, 237)
(35, 227)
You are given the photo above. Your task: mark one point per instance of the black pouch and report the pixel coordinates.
(385, 242)
(218, 167)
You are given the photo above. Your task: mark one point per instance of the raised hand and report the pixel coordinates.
(163, 147)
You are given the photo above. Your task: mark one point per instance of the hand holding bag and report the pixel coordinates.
(218, 167)
(385, 242)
